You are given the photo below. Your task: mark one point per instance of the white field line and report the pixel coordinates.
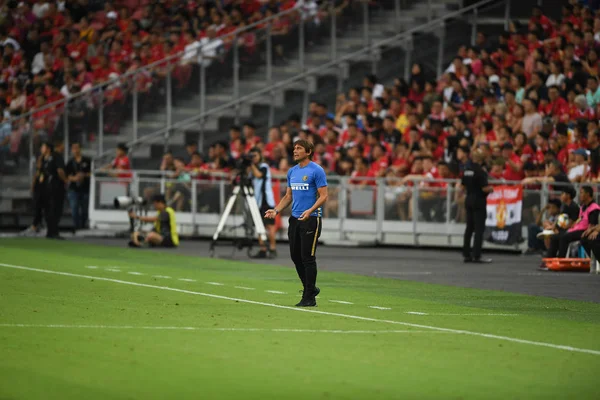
(458, 314)
(380, 308)
(113, 269)
(275, 292)
(161, 276)
(135, 273)
(312, 311)
(92, 267)
(244, 288)
(214, 283)
(195, 328)
(187, 280)
(479, 315)
(341, 301)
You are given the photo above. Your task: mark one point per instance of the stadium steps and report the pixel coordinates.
(382, 24)
(286, 101)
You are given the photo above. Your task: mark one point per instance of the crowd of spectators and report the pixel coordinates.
(53, 50)
(529, 100)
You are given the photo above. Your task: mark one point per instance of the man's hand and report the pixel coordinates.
(132, 215)
(593, 235)
(305, 215)
(587, 232)
(270, 214)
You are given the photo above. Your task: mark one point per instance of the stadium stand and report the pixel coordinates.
(527, 97)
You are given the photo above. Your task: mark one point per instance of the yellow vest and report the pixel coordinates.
(173, 227)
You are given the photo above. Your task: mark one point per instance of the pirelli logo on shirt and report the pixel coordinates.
(299, 186)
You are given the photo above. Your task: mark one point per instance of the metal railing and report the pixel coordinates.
(147, 96)
(391, 210)
(337, 62)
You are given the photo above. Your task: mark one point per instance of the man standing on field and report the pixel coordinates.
(307, 192)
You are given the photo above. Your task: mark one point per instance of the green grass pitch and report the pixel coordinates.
(90, 322)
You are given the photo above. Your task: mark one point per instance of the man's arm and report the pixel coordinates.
(257, 172)
(320, 201)
(516, 167)
(142, 218)
(62, 175)
(286, 200)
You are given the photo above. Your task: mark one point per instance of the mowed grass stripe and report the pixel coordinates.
(307, 310)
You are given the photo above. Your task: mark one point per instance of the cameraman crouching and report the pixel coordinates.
(263, 193)
(164, 233)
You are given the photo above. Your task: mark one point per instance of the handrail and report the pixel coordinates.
(223, 174)
(167, 59)
(282, 84)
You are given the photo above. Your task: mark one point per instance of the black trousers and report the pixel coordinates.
(559, 244)
(476, 216)
(38, 205)
(53, 201)
(303, 236)
(591, 246)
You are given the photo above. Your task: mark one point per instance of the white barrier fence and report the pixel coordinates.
(387, 211)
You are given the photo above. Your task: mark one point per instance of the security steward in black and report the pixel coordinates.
(52, 181)
(61, 190)
(475, 182)
(38, 195)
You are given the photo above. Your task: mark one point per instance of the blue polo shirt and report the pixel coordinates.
(304, 182)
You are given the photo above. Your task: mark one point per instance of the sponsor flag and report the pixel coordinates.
(503, 222)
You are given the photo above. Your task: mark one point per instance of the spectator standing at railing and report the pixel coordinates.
(78, 172)
(475, 182)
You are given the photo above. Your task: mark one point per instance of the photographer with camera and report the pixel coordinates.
(260, 173)
(164, 233)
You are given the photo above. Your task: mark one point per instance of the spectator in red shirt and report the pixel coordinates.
(274, 141)
(563, 143)
(380, 160)
(250, 136)
(514, 166)
(120, 163)
(557, 106)
(361, 171)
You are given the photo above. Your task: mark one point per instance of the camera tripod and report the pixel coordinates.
(243, 189)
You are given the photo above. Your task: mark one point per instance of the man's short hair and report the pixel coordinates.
(307, 146)
(588, 189)
(49, 145)
(570, 190)
(555, 202)
(159, 198)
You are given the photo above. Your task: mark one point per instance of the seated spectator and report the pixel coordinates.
(588, 217)
(546, 220)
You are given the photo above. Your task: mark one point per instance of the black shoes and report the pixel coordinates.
(262, 254)
(307, 302)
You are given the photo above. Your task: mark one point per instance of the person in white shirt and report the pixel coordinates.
(580, 168)
(370, 81)
(38, 64)
(556, 77)
(210, 47)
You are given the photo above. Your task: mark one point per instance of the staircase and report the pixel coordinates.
(15, 204)
(382, 25)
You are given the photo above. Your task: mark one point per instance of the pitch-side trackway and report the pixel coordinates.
(355, 317)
